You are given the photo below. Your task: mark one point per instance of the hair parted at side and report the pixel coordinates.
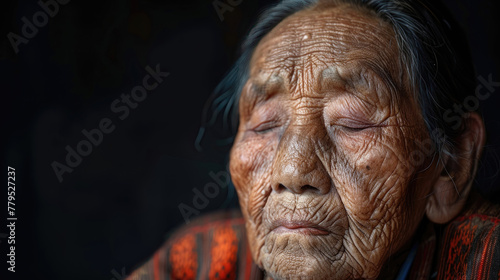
(433, 50)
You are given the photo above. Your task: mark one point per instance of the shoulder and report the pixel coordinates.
(470, 244)
(213, 245)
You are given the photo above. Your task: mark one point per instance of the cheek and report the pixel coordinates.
(380, 185)
(250, 163)
(375, 174)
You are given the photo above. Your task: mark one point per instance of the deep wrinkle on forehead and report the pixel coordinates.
(340, 47)
(360, 82)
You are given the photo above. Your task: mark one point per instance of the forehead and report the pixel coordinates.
(310, 43)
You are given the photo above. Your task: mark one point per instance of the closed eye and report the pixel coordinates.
(266, 126)
(350, 125)
(354, 129)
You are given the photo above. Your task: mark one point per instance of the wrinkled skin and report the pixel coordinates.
(327, 127)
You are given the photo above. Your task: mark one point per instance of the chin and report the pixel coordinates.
(303, 256)
(289, 266)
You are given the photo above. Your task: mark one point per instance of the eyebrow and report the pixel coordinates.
(261, 91)
(330, 78)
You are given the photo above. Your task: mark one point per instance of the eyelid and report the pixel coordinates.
(265, 117)
(265, 126)
(351, 113)
(353, 125)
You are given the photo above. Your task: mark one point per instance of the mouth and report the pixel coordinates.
(298, 227)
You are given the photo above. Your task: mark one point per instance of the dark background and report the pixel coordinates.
(117, 206)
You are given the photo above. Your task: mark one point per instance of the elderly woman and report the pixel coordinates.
(348, 161)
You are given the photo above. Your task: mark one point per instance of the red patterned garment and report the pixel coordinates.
(471, 245)
(215, 247)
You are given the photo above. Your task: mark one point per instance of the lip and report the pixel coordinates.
(302, 227)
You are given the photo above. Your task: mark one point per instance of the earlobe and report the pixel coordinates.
(452, 187)
(447, 199)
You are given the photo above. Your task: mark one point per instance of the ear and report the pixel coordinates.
(452, 187)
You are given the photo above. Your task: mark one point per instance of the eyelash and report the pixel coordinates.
(265, 127)
(270, 125)
(355, 129)
(353, 126)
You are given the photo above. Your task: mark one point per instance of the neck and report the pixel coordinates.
(393, 265)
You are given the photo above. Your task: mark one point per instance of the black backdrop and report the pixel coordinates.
(118, 204)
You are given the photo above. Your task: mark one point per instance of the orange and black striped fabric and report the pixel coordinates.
(213, 247)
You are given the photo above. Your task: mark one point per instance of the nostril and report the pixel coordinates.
(296, 189)
(309, 188)
(280, 188)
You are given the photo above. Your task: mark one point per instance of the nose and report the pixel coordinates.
(297, 166)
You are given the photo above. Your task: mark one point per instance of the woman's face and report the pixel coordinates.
(322, 161)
